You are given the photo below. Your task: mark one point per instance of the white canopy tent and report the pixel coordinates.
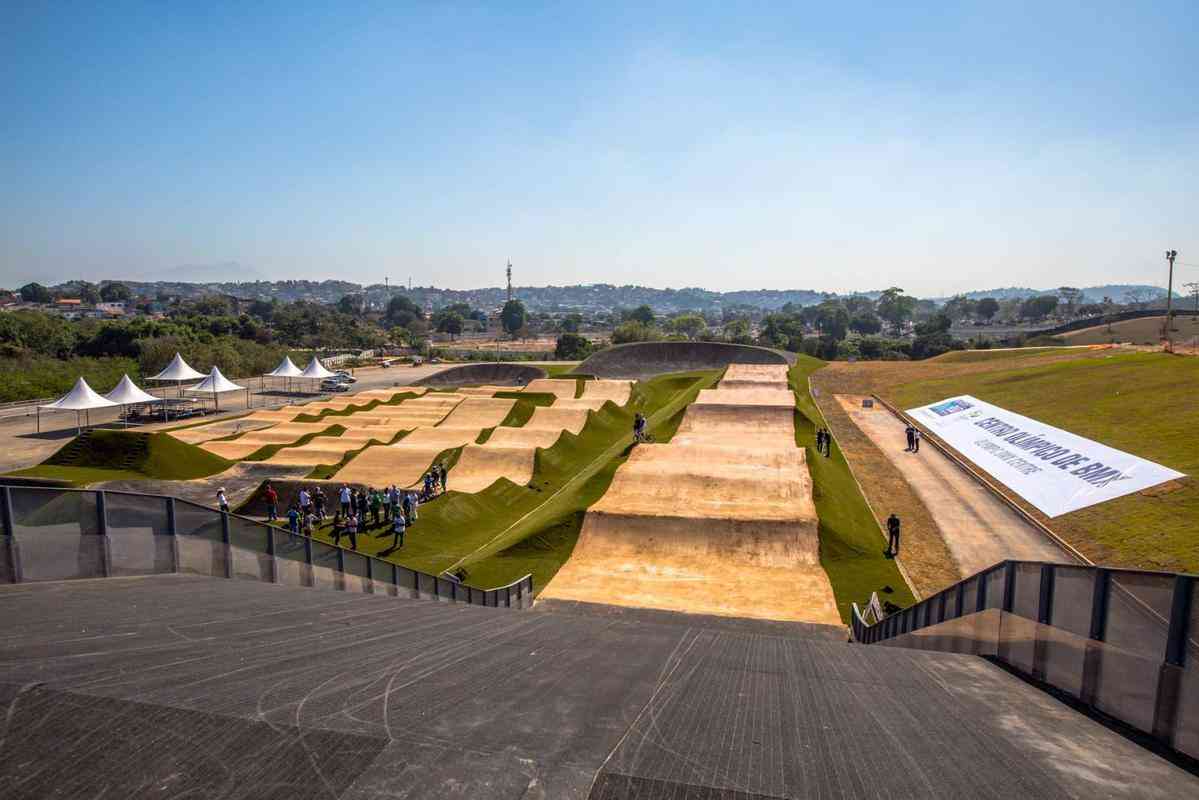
(316, 370)
(127, 393)
(178, 371)
(81, 398)
(217, 383)
(286, 370)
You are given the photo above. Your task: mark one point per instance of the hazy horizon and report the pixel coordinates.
(940, 150)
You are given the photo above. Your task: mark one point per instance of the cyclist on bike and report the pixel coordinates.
(639, 427)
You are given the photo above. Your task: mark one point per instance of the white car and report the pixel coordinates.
(334, 385)
(344, 377)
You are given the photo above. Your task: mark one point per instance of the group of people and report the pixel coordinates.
(913, 434)
(359, 510)
(434, 482)
(824, 442)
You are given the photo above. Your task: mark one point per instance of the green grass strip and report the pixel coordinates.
(851, 544)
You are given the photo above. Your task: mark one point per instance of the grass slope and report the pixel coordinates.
(851, 544)
(1142, 403)
(102, 455)
(506, 531)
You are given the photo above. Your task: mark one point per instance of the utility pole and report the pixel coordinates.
(509, 280)
(1170, 256)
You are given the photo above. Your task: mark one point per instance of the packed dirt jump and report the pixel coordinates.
(404, 462)
(720, 520)
(511, 452)
(645, 359)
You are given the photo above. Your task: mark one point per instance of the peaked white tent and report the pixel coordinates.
(127, 393)
(81, 398)
(217, 383)
(316, 370)
(286, 370)
(178, 371)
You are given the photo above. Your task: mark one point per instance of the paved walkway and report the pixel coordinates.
(206, 687)
(979, 528)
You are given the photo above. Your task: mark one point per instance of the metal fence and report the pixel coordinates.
(51, 534)
(1120, 641)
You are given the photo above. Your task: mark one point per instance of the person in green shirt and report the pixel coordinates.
(375, 502)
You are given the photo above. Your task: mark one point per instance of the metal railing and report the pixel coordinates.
(62, 534)
(1122, 642)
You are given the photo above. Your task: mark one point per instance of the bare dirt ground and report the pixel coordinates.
(720, 520)
(616, 391)
(978, 527)
(559, 387)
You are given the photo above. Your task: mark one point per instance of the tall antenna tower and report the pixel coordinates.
(509, 280)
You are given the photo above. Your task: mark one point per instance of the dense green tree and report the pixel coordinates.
(632, 331)
(987, 307)
(896, 307)
(689, 325)
(513, 316)
(571, 323)
(865, 323)
(115, 292)
(35, 293)
(449, 323)
(833, 319)
(1038, 308)
(643, 314)
(572, 347)
(402, 311)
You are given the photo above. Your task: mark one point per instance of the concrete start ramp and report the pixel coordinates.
(720, 520)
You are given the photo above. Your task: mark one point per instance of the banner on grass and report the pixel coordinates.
(1053, 469)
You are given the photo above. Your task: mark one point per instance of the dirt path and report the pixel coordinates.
(720, 520)
(979, 528)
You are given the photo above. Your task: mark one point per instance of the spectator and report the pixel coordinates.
(272, 503)
(293, 519)
(221, 500)
(399, 526)
(892, 536)
(345, 499)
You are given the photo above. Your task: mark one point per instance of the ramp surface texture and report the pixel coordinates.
(718, 521)
(175, 686)
(561, 388)
(283, 433)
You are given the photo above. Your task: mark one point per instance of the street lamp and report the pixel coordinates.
(1170, 256)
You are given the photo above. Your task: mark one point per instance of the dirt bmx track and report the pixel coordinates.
(720, 520)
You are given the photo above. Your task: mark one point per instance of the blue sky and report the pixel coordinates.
(938, 147)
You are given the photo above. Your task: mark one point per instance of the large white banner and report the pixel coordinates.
(1053, 469)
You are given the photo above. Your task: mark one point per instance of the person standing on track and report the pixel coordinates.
(222, 501)
(915, 439)
(399, 526)
(909, 431)
(892, 536)
(345, 499)
(272, 503)
(820, 440)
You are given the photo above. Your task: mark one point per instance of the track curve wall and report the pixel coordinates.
(643, 359)
(497, 374)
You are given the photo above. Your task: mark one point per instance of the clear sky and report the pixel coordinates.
(835, 146)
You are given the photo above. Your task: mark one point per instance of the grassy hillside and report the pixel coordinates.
(102, 455)
(1142, 403)
(506, 531)
(851, 544)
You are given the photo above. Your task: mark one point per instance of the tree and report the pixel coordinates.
(737, 331)
(987, 307)
(351, 304)
(115, 293)
(1038, 308)
(450, 323)
(782, 330)
(643, 314)
(689, 325)
(960, 307)
(513, 316)
(571, 323)
(833, 320)
(402, 312)
(632, 331)
(896, 307)
(572, 347)
(865, 323)
(1072, 297)
(35, 293)
(933, 337)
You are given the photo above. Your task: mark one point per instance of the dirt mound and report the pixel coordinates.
(718, 521)
(218, 430)
(477, 413)
(471, 374)
(561, 388)
(283, 433)
(616, 391)
(643, 359)
(404, 462)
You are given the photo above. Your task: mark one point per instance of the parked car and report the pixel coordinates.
(334, 385)
(344, 376)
